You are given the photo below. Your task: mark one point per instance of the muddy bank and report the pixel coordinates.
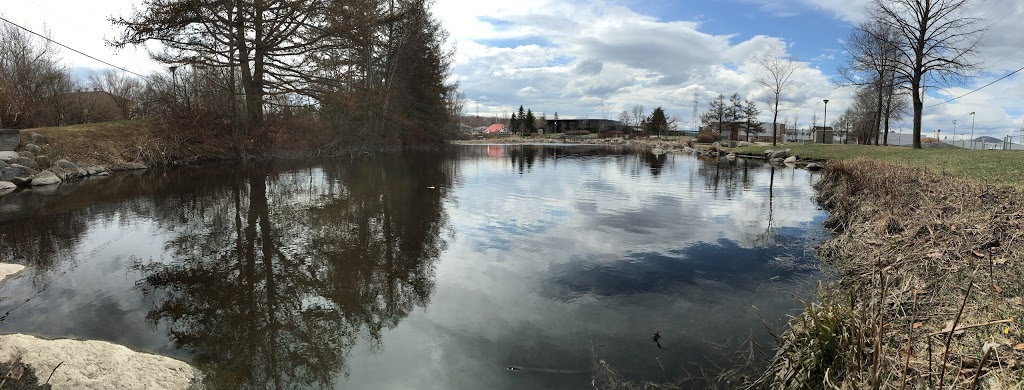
(927, 291)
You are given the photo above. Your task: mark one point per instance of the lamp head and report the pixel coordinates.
(826, 101)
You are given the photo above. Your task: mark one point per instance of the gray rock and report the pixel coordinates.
(779, 154)
(790, 160)
(742, 144)
(27, 161)
(67, 164)
(104, 173)
(135, 166)
(68, 170)
(815, 167)
(17, 174)
(33, 148)
(43, 161)
(45, 178)
(25, 153)
(778, 161)
(4, 165)
(6, 186)
(8, 156)
(38, 139)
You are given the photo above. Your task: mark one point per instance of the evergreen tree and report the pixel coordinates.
(716, 114)
(531, 122)
(657, 122)
(513, 124)
(736, 114)
(752, 125)
(522, 121)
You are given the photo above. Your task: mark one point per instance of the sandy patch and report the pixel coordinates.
(95, 364)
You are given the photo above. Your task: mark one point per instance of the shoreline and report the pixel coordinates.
(923, 261)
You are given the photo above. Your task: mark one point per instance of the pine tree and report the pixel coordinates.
(752, 124)
(522, 121)
(657, 122)
(531, 122)
(513, 124)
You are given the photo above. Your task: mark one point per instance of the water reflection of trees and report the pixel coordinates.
(273, 279)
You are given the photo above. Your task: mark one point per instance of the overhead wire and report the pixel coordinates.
(71, 48)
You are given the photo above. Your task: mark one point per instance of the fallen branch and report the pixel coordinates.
(1007, 321)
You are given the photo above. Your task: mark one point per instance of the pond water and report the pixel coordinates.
(420, 269)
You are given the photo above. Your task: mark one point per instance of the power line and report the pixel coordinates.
(977, 89)
(70, 48)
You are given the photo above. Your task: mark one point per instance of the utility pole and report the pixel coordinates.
(696, 101)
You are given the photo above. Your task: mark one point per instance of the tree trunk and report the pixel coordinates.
(775, 122)
(915, 89)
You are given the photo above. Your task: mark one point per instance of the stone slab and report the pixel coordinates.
(9, 139)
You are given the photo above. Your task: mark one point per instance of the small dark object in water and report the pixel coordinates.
(657, 336)
(513, 368)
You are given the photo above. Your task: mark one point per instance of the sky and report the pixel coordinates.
(596, 58)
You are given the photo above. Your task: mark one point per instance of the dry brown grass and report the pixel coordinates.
(112, 144)
(916, 253)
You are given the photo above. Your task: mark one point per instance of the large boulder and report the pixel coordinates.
(8, 156)
(742, 144)
(45, 178)
(34, 149)
(779, 154)
(6, 186)
(27, 161)
(67, 170)
(38, 139)
(790, 160)
(17, 174)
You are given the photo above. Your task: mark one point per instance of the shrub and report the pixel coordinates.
(707, 137)
(611, 134)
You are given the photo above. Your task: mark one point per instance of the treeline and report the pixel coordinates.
(253, 73)
(737, 116)
(902, 47)
(37, 91)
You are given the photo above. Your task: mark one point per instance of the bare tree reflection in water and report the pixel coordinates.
(272, 286)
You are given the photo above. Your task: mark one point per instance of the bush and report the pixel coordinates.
(611, 134)
(707, 137)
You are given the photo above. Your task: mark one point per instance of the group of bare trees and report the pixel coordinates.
(36, 90)
(736, 116)
(370, 70)
(903, 47)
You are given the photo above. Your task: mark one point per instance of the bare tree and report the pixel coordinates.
(638, 115)
(776, 74)
(123, 89)
(625, 118)
(935, 41)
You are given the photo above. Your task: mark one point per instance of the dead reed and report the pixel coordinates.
(908, 249)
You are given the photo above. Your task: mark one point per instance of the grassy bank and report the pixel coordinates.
(112, 144)
(928, 292)
(984, 166)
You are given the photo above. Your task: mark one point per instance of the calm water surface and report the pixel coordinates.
(426, 270)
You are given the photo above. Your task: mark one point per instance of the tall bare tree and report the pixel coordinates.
(638, 115)
(124, 90)
(935, 42)
(776, 73)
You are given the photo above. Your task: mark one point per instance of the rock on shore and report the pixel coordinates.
(9, 269)
(96, 364)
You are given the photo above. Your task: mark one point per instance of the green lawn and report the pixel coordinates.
(984, 166)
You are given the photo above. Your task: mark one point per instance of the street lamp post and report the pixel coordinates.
(972, 130)
(824, 121)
